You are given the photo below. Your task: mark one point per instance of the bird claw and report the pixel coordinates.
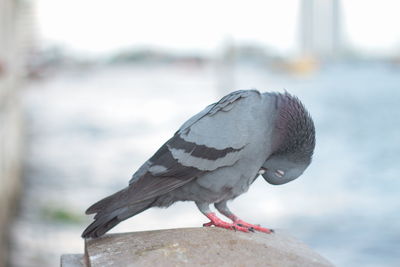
(229, 226)
(232, 226)
(253, 227)
(237, 225)
(207, 224)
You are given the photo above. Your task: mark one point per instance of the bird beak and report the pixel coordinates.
(262, 171)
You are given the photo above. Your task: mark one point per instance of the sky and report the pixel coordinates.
(104, 26)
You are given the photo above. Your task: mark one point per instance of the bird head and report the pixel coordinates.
(293, 141)
(280, 170)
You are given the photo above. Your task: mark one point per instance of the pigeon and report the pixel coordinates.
(214, 157)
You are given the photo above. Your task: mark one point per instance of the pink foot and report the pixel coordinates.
(217, 222)
(252, 226)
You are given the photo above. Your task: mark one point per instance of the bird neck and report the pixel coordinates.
(294, 131)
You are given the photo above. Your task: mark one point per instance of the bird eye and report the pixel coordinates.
(279, 173)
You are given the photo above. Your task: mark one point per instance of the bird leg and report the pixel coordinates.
(223, 208)
(217, 222)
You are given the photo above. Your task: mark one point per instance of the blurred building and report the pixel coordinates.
(15, 40)
(320, 29)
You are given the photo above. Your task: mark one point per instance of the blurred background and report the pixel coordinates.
(90, 89)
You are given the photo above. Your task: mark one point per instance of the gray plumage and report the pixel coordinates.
(216, 155)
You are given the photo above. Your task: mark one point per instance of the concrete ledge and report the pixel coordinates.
(198, 247)
(73, 260)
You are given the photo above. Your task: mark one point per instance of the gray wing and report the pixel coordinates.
(212, 139)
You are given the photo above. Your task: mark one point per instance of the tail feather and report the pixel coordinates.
(100, 226)
(137, 197)
(105, 220)
(108, 202)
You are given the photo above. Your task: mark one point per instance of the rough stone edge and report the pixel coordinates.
(72, 260)
(283, 235)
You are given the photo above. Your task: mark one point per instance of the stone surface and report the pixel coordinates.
(200, 247)
(72, 260)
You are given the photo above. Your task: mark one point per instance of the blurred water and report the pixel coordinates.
(88, 132)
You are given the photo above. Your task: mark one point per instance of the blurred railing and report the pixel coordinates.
(15, 36)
